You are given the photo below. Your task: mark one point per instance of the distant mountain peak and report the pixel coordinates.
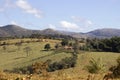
(13, 26)
(49, 29)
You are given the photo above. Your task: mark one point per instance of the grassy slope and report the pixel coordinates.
(79, 72)
(76, 73)
(13, 58)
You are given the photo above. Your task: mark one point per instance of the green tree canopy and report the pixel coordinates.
(64, 42)
(47, 46)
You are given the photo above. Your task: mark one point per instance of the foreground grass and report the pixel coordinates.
(76, 73)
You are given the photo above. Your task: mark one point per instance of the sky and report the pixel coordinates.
(65, 15)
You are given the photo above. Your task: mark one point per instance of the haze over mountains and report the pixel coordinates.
(14, 30)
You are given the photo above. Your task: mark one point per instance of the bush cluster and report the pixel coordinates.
(95, 66)
(109, 45)
(116, 69)
(39, 67)
(65, 63)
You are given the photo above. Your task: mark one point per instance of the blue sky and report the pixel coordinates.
(67, 15)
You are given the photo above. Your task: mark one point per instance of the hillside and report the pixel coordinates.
(15, 58)
(14, 30)
(104, 33)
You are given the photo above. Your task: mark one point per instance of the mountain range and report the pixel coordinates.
(14, 30)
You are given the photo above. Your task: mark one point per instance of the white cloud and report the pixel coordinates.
(7, 4)
(14, 22)
(22, 4)
(26, 7)
(69, 25)
(82, 21)
(88, 23)
(51, 26)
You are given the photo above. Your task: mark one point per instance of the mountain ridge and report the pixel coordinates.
(105, 32)
(15, 30)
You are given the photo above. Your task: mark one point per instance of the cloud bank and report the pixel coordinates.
(68, 25)
(26, 7)
(82, 21)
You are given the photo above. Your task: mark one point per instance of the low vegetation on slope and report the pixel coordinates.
(66, 66)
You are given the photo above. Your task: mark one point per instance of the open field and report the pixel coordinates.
(76, 73)
(13, 57)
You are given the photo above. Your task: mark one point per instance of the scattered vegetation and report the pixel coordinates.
(47, 47)
(63, 60)
(116, 69)
(95, 66)
(27, 50)
(64, 42)
(18, 44)
(65, 63)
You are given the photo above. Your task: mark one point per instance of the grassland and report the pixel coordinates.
(12, 58)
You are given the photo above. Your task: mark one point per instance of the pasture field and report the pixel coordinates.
(13, 57)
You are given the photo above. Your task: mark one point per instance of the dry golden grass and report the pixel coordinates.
(58, 75)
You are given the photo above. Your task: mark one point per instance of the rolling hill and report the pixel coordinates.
(104, 33)
(14, 30)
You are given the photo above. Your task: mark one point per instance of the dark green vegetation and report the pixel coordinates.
(64, 42)
(108, 45)
(65, 63)
(116, 69)
(47, 47)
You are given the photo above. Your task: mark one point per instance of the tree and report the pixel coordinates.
(57, 46)
(76, 47)
(64, 42)
(71, 44)
(18, 44)
(27, 50)
(4, 47)
(47, 46)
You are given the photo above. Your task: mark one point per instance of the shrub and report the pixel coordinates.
(3, 76)
(64, 42)
(65, 63)
(4, 47)
(22, 70)
(95, 66)
(27, 50)
(37, 68)
(116, 69)
(47, 47)
(18, 44)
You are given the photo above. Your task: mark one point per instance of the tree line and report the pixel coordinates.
(108, 45)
